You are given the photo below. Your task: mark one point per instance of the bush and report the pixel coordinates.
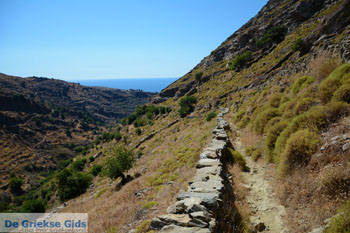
(256, 154)
(186, 105)
(335, 181)
(275, 34)
(244, 122)
(63, 164)
(301, 83)
(342, 94)
(138, 131)
(78, 164)
(249, 150)
(33, 206)
(139, 122)
(323, 65)
(117, 136)
(236, 157)
(275, 100)
(299, 148)
(240, 60)
(120, 163)
(96, 169)
(336, 79)
(263, 118)
(341, 222)
(299, 45)
(16, 184)
(71, 184)
(211, 116)
(271, 137)
(303, 105)
(198, 76)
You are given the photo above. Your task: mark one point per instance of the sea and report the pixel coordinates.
(145, 84)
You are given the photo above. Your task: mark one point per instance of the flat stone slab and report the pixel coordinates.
(187, 205)
(207, 186)
(183, 220)
(178, 229)
(208, 163)
(209, 200)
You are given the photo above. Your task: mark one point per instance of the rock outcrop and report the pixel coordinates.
(207, 206)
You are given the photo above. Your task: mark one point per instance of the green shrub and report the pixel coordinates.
(249, 150)
(271, 123)
(96, 169)
(198, 76)
(239, 115)
(71, 184)
(299, 45)
(263, 118)
(301, 83)
(275, 34)
(91, 159)
(143, 227)
(117, 136)
(271, 137)
(337, 78)
(138, 131)
(303, 105)
(33, 206)
(256, 154)
(299, 148)
(140, 122)
(121, 162)
(240, 60)
(132, 118)
(186, 105)
(211, 116)
(342, 94)
(244, 122)
(78, 164)
(149, 205)
(236, 157)
(63, 164)
(341, 222)
(275, 100)
(16, 184)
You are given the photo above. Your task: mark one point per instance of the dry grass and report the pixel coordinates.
(323, 65)
(120, 211)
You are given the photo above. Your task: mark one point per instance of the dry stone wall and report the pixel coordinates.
(207, 205)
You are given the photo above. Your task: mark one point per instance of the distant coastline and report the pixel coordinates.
(145, 84)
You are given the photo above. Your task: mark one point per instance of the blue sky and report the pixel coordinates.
(85, 39)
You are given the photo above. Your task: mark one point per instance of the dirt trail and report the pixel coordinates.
(261, 196)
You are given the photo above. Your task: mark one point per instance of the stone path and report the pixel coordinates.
(267, 212)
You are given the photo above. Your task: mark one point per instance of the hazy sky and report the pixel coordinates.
(84, 39)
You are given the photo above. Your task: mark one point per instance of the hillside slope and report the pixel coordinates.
(43, 120)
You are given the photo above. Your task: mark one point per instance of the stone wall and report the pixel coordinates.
(207, 206)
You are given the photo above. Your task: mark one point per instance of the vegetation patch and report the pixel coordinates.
(300, 146)
(187, 105)
(240, 60)
(236, 157)
(210, 116)
(341, 222)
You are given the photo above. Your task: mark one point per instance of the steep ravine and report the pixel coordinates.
(267, 212)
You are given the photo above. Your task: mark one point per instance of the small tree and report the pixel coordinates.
(186, 105)
(121, 162)
(198, 76)
(15, 184)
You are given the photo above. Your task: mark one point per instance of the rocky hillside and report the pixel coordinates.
(43, 120)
